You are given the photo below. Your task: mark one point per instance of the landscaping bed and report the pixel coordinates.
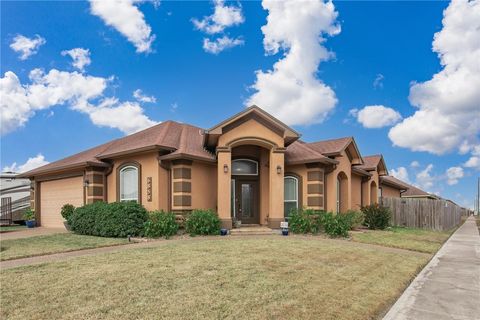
(241, 278)
(55, 243)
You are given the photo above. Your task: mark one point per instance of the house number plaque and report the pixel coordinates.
(149, 189)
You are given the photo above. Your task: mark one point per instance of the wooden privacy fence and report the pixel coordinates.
(424, 213)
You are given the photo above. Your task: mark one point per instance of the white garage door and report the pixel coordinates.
(54, 194)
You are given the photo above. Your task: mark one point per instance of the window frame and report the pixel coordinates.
(297, 201)
(245, 174)
(135, 165)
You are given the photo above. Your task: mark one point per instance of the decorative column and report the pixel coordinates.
(182, 186)
(224, 180)
(94, 181)
(276, 174)
(315, 187)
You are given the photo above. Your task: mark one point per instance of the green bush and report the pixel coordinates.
(357, 218)
(160, 224)
(67, 211)
(118, 219)
(304, 221)
(29, 214)
(336, 225)
(376, 216)
(202, 222)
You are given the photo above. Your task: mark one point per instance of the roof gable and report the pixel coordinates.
(335, 147)
(375, 162)
(261, 116)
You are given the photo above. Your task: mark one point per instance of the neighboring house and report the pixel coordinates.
(414, 192)
(250, 167)
(14, 196)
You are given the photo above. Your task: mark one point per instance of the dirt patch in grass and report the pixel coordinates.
(405, 238)
(41, 245)
(5, 229)
(235, 278)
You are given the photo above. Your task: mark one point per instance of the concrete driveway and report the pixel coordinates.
(26, 233)
(449, 286)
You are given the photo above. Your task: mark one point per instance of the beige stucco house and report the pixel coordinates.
(250, 167)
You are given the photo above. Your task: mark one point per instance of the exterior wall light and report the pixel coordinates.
(225, 168)
(279, 169)
(86, 183)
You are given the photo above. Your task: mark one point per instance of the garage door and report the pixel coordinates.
(54, 194)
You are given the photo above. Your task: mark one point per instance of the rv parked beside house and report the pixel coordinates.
(250, 167)
(15, 197)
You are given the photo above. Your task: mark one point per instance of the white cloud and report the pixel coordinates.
(30, 164)
(20, 101)
(139, 96)
(448, 113)
(26, 46)
(222, 17)
(415, 164)
(474, 160)
(80, 57)
(291, 91)
(125, 16)
(376, 116)
(453, 175)
(400, 173)
(126, 116)
(220, 44)
(425, 179)
(378, 82)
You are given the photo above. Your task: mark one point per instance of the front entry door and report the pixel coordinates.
(246, 201)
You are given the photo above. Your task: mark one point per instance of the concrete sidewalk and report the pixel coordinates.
(449, 286)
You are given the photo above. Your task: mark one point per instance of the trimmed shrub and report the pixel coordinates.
(304, 221)
(117, 219)
(160, 224)
(82, 221)
(356, 218)
(376, 216)
(67, 211)
(336, 225)
(202, 222)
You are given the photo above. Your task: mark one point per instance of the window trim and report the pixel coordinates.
(245, 174)
(122, 167)
(298, 181)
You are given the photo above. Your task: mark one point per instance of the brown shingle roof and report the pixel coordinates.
(371, 162)
(300, 152)
(83, 158)
(416, 192)
(394, 182)
(330, 147)
(182, 139)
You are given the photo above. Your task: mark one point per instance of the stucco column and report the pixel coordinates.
(276, 173)
(365, 192)
(224, 158)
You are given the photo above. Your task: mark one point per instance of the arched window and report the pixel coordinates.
(129, 183)
(290, 194)
(244, 167)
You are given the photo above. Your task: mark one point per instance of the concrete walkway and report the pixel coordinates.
(449, 286)
(30, 232)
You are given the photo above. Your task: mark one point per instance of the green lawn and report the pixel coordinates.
(11, 228)
(40, 245)
(234, 278)
(405, 238)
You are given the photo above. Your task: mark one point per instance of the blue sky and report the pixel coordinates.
(383, 71)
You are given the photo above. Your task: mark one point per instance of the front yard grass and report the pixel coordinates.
(41, 245)
(426, 241)
(233, 278)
